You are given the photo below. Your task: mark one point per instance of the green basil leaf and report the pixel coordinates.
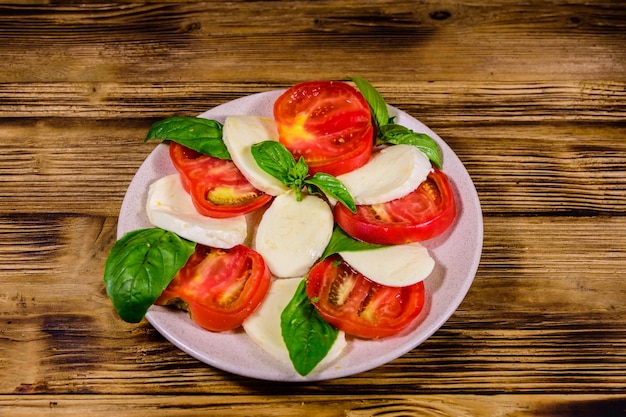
(374, 99)
(202, 135)
(340, 241)
(307, 335)
(274, 159)
(397, 134)
(332, 187)
(313, 190)
(140, 266)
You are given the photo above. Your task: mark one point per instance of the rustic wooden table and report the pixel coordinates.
(530, 95)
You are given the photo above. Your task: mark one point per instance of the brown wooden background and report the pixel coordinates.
(530, 94)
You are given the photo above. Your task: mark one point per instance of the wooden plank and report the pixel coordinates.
(318, 405)
(85, 165)
(81, 165)
(568, 353)
(551, 254)
(438, 102)
(255, 41)
(533, 261)
(545, 312)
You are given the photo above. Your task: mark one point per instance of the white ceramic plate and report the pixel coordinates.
(457, 255)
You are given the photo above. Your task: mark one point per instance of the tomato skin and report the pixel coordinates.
(329, 123)
(219, 287)
(422, 214)
(360, 307)
(217, 188)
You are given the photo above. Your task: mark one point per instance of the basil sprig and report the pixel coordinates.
(387, 132)
(277, 161)
(201, 135)
(140, 266)
(340, 241)
(307, 335)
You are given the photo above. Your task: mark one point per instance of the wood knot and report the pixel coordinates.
(440, 15)
(575, 20)
(193, 27)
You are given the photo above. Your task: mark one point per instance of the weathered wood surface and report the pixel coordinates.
(317, 405)
(530, 95)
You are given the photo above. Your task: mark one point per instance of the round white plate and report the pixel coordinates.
(457, 255)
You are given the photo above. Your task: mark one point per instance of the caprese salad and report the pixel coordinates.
(303, 229)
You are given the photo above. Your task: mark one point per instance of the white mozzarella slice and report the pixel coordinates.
(394, 266)
(170, 207)
(293, 234)
(390, 174)
(239, 134)
(263, 325)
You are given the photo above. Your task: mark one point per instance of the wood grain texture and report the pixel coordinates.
(251, 41)
(356, 406)
(514, 332)
(530, 95)
(64, 165)
(445, 102)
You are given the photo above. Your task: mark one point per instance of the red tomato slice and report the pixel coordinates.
(217, 188)
(422, 214)
(219, 287)
(329, 123)
(360, 307)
